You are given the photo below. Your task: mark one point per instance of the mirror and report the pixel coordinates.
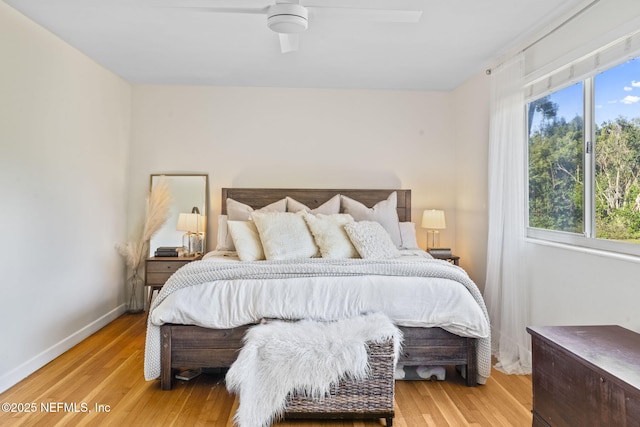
(187, 192)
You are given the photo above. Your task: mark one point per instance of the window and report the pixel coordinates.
(584, 157)
(617, 153)
(556, 166)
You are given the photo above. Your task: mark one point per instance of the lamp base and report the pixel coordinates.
(433, 239)
(193, 243)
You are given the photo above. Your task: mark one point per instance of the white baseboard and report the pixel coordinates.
(22, 371)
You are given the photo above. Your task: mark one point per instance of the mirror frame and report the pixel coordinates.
(205, 212)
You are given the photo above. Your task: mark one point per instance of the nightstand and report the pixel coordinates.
(453, 259)
(159, 269)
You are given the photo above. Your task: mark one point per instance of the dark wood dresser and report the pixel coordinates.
(585, 376)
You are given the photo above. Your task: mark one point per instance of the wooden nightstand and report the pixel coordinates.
(453, 259)
(159, 269)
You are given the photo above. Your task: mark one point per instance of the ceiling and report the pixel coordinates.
(170, 42)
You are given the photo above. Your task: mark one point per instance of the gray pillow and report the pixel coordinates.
(384, 213)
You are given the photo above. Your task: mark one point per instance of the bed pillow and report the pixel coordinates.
(408, 235)
(224, 241)
(246, 240)
(371, 240)
(384, 212)
(284, 235)
(237, 211)
(331, 206)
(328, 233)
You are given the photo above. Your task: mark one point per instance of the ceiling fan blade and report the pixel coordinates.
(289, 42)
(367, 15)
(253, 11)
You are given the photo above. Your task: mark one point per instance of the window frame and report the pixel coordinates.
(588, 238)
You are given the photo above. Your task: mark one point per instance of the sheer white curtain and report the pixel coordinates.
(506, 288)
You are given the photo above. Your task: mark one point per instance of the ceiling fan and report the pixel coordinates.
(289, 18)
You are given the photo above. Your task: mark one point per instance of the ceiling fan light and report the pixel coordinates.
(287, 18)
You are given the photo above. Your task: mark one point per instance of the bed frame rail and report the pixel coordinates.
(188, 346)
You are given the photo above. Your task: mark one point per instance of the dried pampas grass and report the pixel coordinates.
(158, 206)
(135, 251)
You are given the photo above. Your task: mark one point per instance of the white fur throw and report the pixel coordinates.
(306, 357)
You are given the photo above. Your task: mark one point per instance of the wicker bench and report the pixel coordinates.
(368, 398)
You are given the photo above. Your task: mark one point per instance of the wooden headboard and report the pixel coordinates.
(259, 197)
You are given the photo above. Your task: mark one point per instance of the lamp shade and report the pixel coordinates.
(433, 219)
(189, 222)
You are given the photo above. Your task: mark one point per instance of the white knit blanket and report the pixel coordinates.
(199, 272)
(304, 357)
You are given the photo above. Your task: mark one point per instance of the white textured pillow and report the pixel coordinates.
(284, 235)
(408, 234)
(328, 232)
(371, 240)
(331, 206)
(246, 240)
(383, 212)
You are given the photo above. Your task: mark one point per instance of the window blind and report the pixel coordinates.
(610, 55)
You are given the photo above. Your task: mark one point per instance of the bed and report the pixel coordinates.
(212, 337)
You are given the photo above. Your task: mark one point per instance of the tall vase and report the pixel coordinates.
(136, 300)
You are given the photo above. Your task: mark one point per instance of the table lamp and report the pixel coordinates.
(190, 223)
(433, 221)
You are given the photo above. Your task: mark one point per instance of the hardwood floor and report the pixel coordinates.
(100, 382)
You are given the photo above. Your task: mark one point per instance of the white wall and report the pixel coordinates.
(260, 137)
(64, 135)
(471, 107)
(571, 287)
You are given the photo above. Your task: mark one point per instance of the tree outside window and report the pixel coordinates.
(557, 175)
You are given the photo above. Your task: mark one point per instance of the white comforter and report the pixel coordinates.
(411, 291)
